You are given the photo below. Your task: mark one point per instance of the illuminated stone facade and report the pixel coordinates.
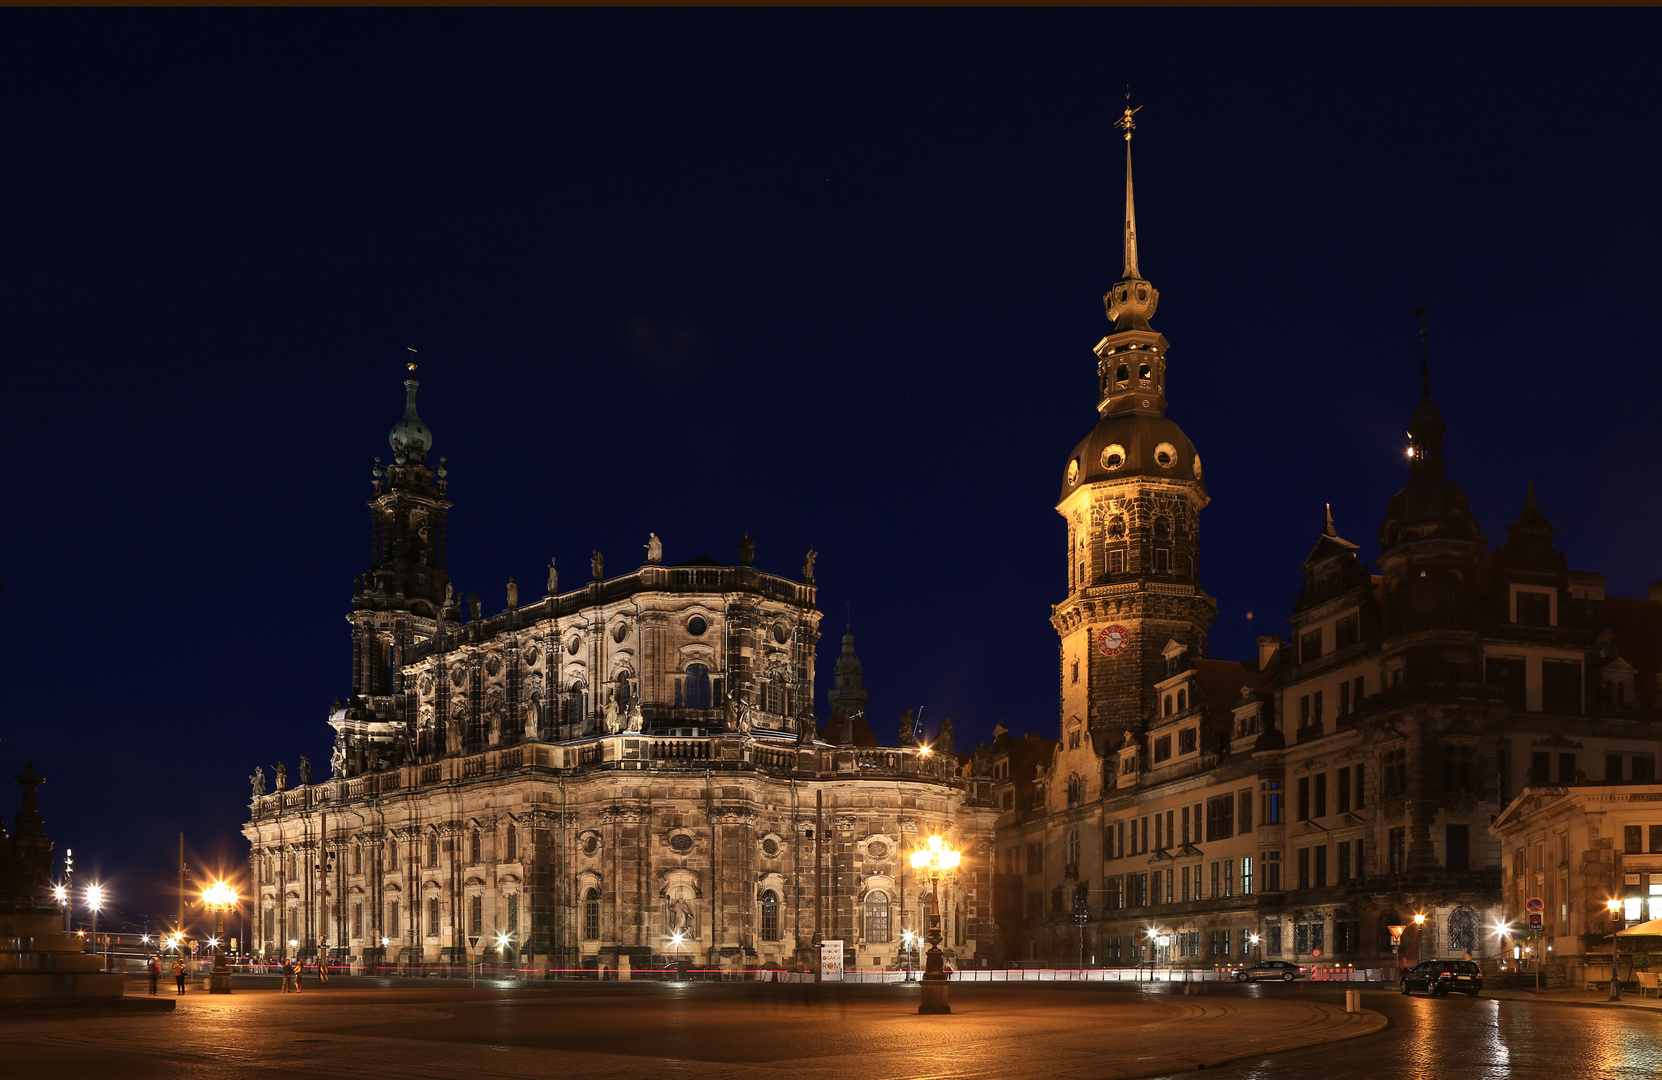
(624, 772)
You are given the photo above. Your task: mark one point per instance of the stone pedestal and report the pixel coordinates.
(38, 961)
(934, 996)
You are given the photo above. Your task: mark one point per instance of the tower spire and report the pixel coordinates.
(1127, 123)
(1132, 299)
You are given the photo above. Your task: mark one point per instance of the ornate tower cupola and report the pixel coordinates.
(1131, 496)
(399, 597)
(1131, 361)
(1430, 506)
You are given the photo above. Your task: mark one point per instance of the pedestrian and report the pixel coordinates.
(299, 973)
(179, 974)
(155, 970)
(288, 977)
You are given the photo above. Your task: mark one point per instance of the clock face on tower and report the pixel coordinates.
(1112, 640)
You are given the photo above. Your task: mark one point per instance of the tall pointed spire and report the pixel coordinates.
(1127, 124)
(1132, 299)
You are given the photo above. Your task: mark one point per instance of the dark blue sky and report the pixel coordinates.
(832, 277)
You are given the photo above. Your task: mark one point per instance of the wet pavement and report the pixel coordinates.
(578, 1031)
(1571, 1034)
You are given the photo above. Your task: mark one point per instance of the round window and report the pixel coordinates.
(1113, 456)
(681, 843)
(877, 849)
(573, 643)
(696, 625)
(1166, 455)
(770, 847)
(620, 631)
(1073, 471)
(591, 844)
(781, 632)
(532, 655)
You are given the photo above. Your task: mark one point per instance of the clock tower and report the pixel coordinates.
(1131, 497)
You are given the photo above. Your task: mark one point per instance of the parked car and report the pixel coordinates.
(1270, 969)
(1438, 977)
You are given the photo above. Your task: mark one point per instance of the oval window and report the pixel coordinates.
(1165, 455)
(1113, 456)
(696, 625)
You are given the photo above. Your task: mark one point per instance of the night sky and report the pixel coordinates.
(831, 277)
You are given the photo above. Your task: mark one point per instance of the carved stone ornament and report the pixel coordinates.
(426, 685)
(458, 674)
(532, 655)
(493, 665)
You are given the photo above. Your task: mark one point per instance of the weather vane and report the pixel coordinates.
(412, 362)
(1126, 123)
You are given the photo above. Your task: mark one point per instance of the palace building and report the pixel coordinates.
(624, 773)
(1298, 803)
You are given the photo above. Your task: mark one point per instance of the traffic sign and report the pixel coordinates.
(1535, 920)
(1535, 905)
(473, 941)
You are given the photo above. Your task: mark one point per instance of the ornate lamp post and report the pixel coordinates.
(1419, 936)
(1615, 909)
(935, 859)
(218, 897)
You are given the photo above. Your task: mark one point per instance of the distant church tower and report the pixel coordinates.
(1131, 496)
(848, 693)
(398, 599)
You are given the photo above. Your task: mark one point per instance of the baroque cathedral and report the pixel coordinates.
(1301, 803)
(626, 773)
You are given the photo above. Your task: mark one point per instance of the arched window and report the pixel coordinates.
(358, 861)
(877, 916)
(474, 847)
(621, 693)
(1073, 847)
(773, 696)
(770, 916)
(697, 694)
(1162, 528)
(1168, 704)
(513, 843)
(1123, 375)
(1116, 527)
(591, 915)
(1462, 929)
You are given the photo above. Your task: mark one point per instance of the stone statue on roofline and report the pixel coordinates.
(258, 781)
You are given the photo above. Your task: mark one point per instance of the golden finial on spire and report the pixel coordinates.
(412, 362)
(1125, 123)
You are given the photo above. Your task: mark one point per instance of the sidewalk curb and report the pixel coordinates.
(1371, 1024)
(1579, 1004)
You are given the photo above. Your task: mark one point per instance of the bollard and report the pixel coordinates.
(1353, 1001)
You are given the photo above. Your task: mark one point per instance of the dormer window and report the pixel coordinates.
(1187, 740)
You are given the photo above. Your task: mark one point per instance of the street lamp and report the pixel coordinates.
(1615, 908)
(1253, 939)
(1419, 936)
(935, 859)
(95, 901)
(909, 940)
(218, 897)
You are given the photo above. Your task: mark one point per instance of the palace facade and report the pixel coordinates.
(625, 773)
(1300, 802)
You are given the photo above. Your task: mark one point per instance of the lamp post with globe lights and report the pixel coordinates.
(219, 897)
(935, 859)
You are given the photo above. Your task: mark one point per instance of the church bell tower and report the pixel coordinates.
(398, 599)
(1131, 497)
